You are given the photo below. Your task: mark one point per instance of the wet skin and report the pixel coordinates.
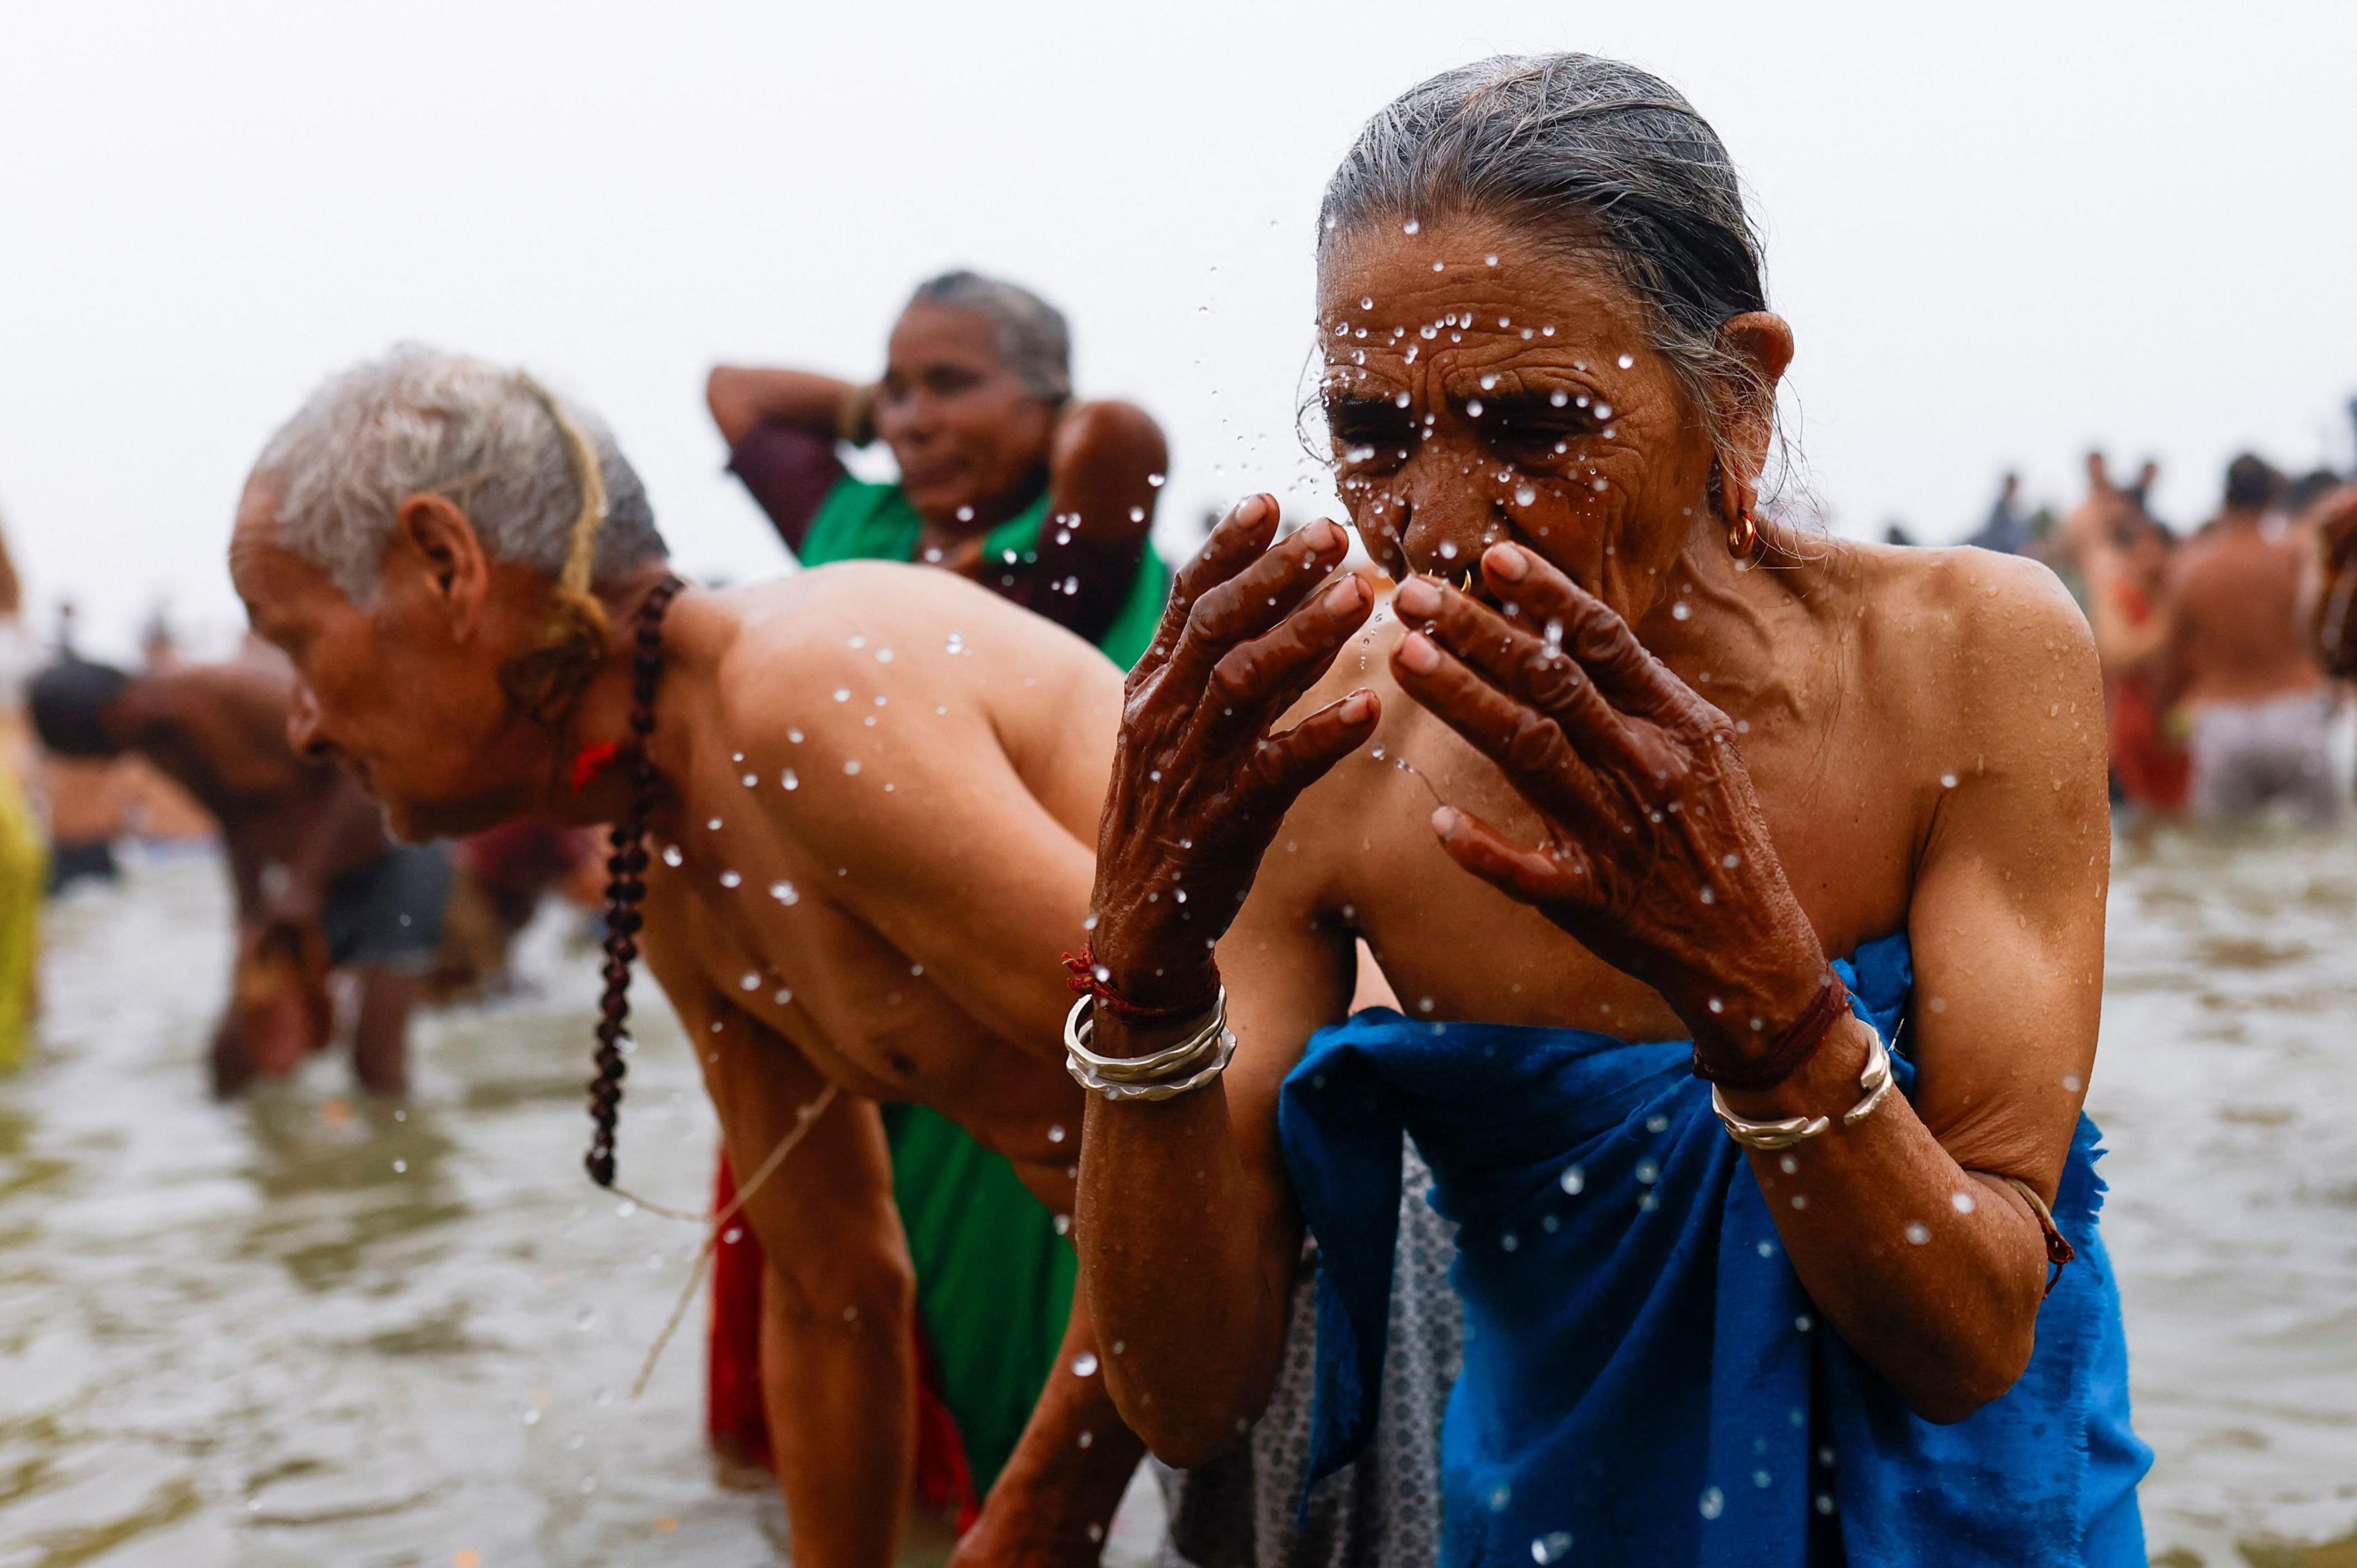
(933, 891)
(1785, 741)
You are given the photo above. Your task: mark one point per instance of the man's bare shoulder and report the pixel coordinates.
(806, 650)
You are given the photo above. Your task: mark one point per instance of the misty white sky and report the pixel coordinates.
(2001, 232)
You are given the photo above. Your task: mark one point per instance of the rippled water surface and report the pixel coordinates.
(309, 1330)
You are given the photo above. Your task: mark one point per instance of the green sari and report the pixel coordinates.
(994, 1277)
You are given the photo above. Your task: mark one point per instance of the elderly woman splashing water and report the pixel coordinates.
(1745, 892)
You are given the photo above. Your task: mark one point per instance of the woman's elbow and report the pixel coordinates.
(1962, 1381)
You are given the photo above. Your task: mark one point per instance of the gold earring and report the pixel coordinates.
(1742, 537)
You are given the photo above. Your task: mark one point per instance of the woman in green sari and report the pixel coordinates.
(1006, 478)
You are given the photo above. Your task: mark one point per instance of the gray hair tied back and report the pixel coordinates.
(1034, 341)
(1590, 154)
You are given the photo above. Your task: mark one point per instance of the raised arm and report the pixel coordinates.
(742, 397)
(1104, 467)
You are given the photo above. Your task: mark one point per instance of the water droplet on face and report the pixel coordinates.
(785, 893)
(789, 779)
(1604, 410)
(1961, 1202)
(1947, 780)
(1084, 1365)
(713, 826)
(795, 736)
(1410, 226)
(1574, 1180)
(1681, 610)
(735, 757)
(851, 766)
(1524, 495)
(1917, 1232)
(1449, 549)
(1599, 486)
(1473, 409)
(730, 879)
(1626, 362)
(1489, 383)
(750, 983)
(751, 780)
(1366, 302)
(672, 855)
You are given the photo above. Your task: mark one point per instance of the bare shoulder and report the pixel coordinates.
(1988, 663)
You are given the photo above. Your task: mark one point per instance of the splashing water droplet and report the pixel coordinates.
(842, 694)
(1626, 362)
(1489, 383)
(789, 779)
(730, 879)
(1712, 1503)
(750, 780)
(1063, 1225)
(1545, 1549)
(1961, 1202)
(965, 514)
(1473, 409)
(851, 766)
(1525, 494)
(1574, 1180)
(1084, 1365)
(672, 855)
(1681, 610)
(785, 893)
(713, 826)
(750, 983)
(1410, 226)
(1647, 1172)
(1157, 480)
(1917, 1232)
(1056, 1133)
(795, 736)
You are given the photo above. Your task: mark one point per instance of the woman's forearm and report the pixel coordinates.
(1931, 1274)
(1177, 1252)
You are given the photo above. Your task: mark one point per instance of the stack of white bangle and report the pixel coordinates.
(1874, 1082)
(1165, 1074)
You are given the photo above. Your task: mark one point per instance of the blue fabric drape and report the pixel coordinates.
(1645, 1381)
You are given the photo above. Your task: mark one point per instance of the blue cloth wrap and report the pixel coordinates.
(1645, 1381)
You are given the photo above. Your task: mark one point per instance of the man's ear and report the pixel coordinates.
(434, 551)
(1762, 340)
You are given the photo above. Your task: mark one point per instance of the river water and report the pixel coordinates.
(310, 1330)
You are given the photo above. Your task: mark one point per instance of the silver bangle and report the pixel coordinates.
(1173, 1070)
(1873, 1082)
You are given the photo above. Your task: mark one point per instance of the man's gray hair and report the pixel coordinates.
(422, 421)
(1590, 153)
(1034, 341)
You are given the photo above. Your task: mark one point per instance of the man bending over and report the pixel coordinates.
(317, 885)
(867, 793)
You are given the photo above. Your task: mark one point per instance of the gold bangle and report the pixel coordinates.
(856, 421)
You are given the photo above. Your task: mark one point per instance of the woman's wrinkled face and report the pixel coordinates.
(1480, 386)
(970, 437)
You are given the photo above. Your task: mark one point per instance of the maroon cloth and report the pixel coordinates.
(1079, 580)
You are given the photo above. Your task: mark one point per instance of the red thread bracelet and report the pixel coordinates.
(1088, 980)
(1791, 1050)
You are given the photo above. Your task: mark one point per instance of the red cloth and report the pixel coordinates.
(735, 1418)
(2152, 767)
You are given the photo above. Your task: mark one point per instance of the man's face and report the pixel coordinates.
(417, 711)
(968, 436)
(1510, 392)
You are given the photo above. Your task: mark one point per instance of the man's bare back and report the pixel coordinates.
(2238, 634)
(884, 713)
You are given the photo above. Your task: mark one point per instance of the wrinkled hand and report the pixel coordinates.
(1655, 855)
(1200, 780)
